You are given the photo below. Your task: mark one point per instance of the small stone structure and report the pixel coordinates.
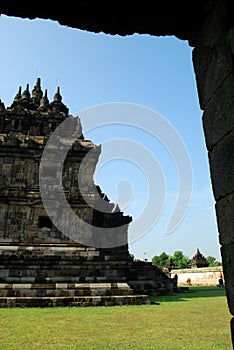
(171, 265)
(199, 260)
(39, 265)
(203, 276)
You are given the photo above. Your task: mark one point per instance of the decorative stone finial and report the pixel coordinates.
(44, 102)
(57, 104)
(38, 83)
(18, 95)
(26, 93)
(2, 106)
(116, 209)
(57, 96)
(37, 92)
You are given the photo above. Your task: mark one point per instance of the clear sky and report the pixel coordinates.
(154, 73)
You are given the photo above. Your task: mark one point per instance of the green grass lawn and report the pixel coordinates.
(198, 320)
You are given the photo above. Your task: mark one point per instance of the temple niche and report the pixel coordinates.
(37, 259)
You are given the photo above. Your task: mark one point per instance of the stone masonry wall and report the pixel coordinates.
(214, 69)
(204, 276)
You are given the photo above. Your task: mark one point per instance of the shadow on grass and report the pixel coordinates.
(193, 292)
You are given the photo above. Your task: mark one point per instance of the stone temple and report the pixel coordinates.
(41, 265)
(198, 260)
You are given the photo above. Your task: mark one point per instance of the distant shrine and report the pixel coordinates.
(39, 265)
(199, 260)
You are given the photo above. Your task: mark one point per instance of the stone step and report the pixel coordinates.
(63, 289)
(82, 301)
(68, 262)
(61, 251)
(34, 264)
(60, 279)
(93, 273)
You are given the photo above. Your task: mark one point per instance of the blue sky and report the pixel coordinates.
(153, 72)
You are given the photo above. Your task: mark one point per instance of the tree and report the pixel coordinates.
(160, 260)
(212, 261)
(180, 260)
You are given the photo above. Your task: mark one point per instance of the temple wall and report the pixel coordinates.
(204, 276)
(213, 65)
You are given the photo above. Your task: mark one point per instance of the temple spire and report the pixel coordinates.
(44, 102)
(2, 106)
(26, 93)
(57, 104)
(18, 95)
(57, 96)
(37, 92)
(38, 83)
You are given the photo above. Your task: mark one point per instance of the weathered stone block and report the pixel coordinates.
(225, 219)
(222, 167)
(214, 25)
(212, 65)
(218, 118)
(231, 38)
(228, 270)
